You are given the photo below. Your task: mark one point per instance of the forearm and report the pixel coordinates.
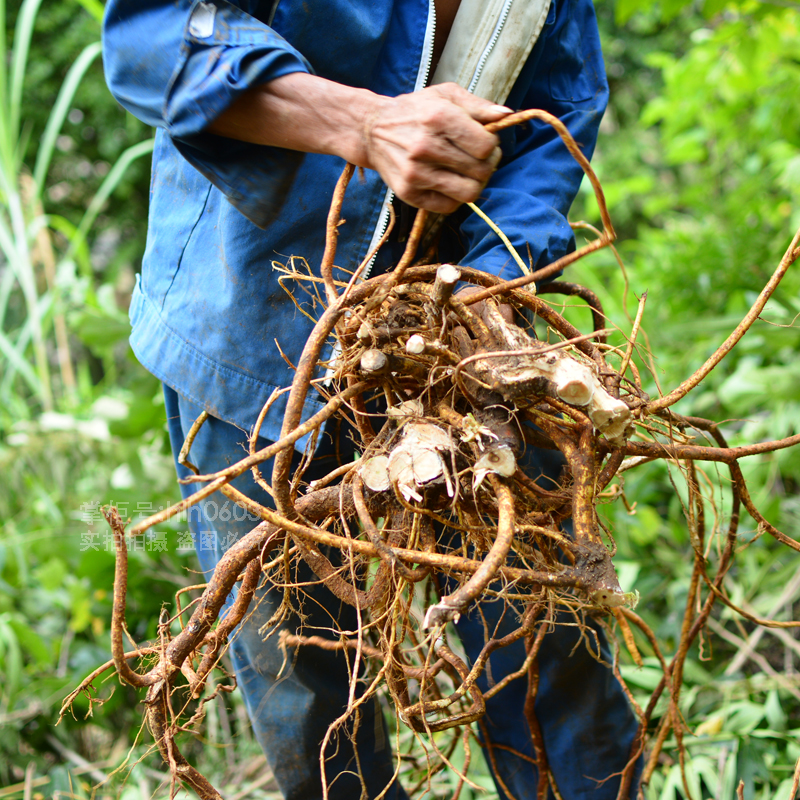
(430, 146)
(302, 112)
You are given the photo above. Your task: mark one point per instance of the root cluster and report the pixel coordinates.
(444, 390)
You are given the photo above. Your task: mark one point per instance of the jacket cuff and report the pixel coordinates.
(225, 53)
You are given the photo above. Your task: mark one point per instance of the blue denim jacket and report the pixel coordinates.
(209, 311)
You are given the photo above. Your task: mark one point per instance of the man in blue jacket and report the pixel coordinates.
(258, 105)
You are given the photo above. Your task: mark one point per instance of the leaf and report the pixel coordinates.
(752, 385)
(710, 726)
(625, 9)
(69, 231)
(644, 526)
(645, 677)
(713, 7)
(80, 607)
(671, 8)
(51, 574)
(694, 672)
(32, 642)
(673, 784)
(750, 766)
(619, 191)
(10, 656)
(687, 147)
(783, 790)
(99, 330)
(743, 716)
(19, 362)
(141, 417)
(627, 572)
(707, 769)
(94, 7)
(776, 717)
(107, 187)
(692, 780)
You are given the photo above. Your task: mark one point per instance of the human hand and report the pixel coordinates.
(431, 148)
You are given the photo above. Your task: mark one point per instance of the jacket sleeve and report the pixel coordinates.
(178, 65)
(530, 194)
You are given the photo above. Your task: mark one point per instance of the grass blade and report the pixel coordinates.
(6, 241)
(19, 59)
(60, 110)
(18, 363)
(6, 287)
(110, 183)
(20, 346)
(3, 81)
(25, 271)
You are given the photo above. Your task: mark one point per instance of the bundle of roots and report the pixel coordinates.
(445, 389)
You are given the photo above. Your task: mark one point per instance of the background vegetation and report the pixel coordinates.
(700, 158)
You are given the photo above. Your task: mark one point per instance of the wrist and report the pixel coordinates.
(304, 112)
(321, 116)
(368, 114)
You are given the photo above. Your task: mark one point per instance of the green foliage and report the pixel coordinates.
(699, 157)
(72, 400)
(53, 259)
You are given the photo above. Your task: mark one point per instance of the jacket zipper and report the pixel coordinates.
(383, 220)
(490, 46)
(423, 74)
